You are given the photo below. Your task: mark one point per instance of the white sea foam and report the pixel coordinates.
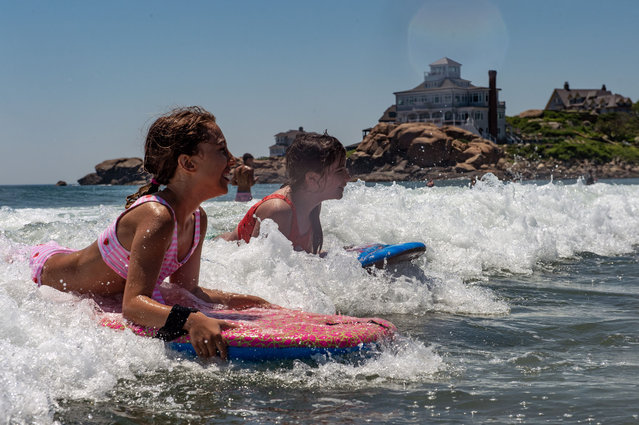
(52, 349)
(493, 227)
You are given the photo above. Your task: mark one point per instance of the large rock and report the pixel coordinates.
(464, 168)
(411, 151)
(121, 171)
(129, 171)
(532, 113)
(270, 170)
(429, 151)
(403, 135)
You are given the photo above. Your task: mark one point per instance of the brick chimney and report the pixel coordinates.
(492, 103)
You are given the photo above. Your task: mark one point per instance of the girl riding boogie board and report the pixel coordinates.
(159, 235)
(316, 169)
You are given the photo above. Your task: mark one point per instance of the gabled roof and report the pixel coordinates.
(389, 115)
(290, 133)
(450, 84)
(589, 97)
(445, 61)
(447, 83)
(586, 94)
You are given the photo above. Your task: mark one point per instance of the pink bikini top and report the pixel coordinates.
(117, 257)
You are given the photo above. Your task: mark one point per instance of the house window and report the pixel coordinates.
(436, 99)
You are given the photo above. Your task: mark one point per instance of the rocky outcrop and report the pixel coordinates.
(129, 171)
(416, 151)
(532, 113)
(121, 171)
(270, 170)
(523, 169)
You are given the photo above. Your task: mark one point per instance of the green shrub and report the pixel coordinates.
(582, 135)
(575, 150)
(618, 126)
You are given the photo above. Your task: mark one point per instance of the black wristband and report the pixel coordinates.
(174, 326)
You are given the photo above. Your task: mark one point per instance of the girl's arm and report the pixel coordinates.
(231, 300)
(147, 229)
(230, 236)
(282, 214)
(152, 226)
(278, 211)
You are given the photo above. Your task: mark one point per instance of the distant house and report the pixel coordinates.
(390, 114)
(284, 140)
(599, 101)
(444, 98)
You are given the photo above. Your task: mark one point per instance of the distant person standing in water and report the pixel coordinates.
(590, 177)
(243, 178)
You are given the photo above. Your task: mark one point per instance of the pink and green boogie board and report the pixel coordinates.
(269, 334)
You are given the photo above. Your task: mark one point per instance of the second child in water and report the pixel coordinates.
(316, 170)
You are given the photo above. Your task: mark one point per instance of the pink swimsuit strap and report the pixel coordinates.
(117, 257)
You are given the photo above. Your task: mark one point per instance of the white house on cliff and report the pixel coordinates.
(283, 141)
(444, 98)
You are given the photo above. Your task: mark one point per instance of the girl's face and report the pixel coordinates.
(215, 163)
(335, 178)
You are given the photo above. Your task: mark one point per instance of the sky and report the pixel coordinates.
(81, 81)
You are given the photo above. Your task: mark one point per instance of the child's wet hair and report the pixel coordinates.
(178, 132)
(311, 152)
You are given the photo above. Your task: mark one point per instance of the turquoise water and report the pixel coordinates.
(524, 309)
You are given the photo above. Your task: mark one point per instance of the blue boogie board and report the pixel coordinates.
(379, 255)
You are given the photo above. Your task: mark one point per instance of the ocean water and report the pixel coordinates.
(524, 310)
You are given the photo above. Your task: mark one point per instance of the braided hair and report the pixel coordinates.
(178, 132)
